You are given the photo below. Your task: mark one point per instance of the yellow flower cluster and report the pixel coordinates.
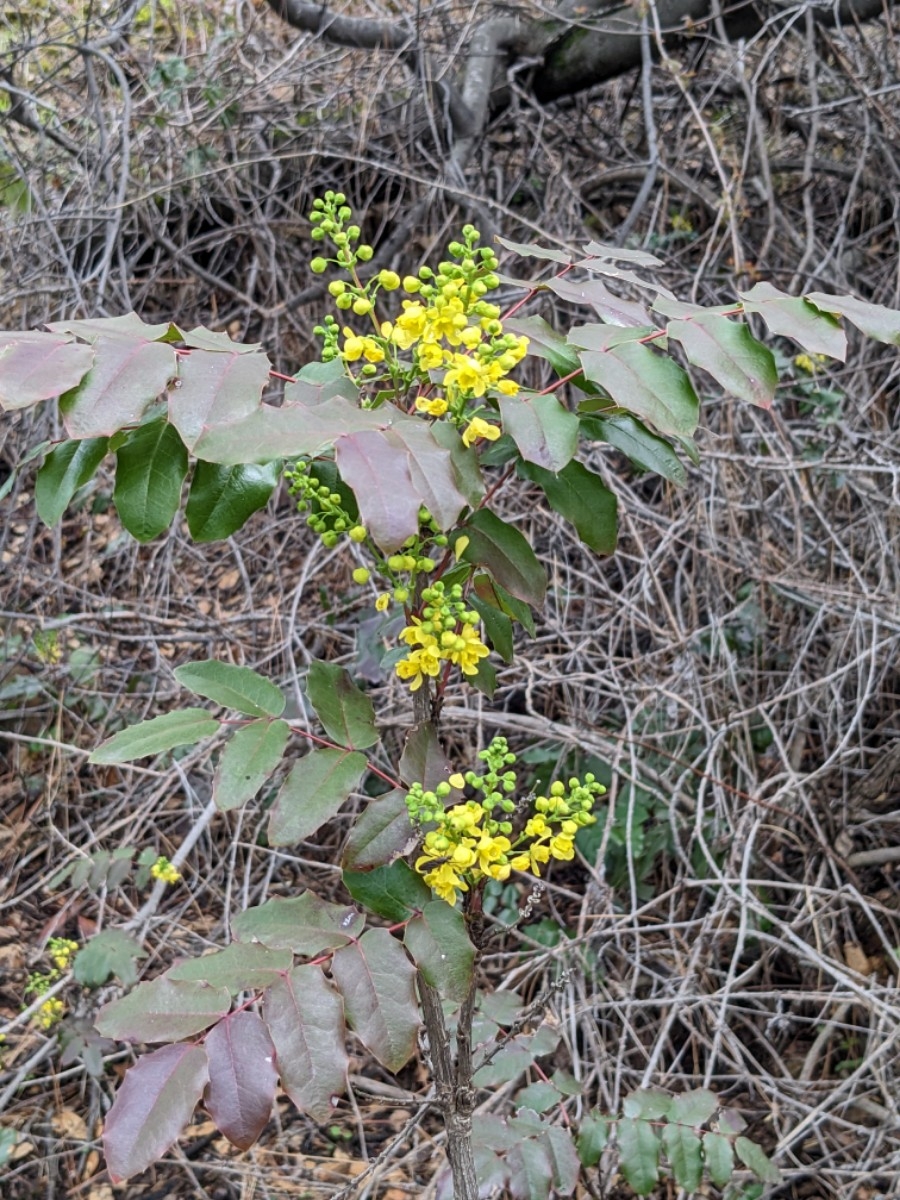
(469, 844)
(163, 870)
(445, 632)
(49, 1013)
(62, 951)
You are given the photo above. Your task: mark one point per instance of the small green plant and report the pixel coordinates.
(397, 445)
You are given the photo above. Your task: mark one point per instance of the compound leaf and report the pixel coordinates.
(319, 783)
(376, 980)
(304, 924)
(183, 727)
(242, 1077)
(305, 1017)
(151, 466)
(223, 498)
(346, 712)
(153, 1104)
(249, 758)
(233, 687)
(162, 1010)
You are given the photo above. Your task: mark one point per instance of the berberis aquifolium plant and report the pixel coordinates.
(399, 443)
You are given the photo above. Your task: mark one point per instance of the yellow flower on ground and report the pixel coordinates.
(478, 428)
(50, 1012)
(435, 408)
(163, 870)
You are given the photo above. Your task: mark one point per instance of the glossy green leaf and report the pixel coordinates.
(215, 389)
(593, 1137)
(490, 592)
(163, 1011)
(718, 1155)
(381, 833)
(376, 466)
(582, 498)
(394, 892)
(242, 1077)
(154, 1102)
(682, 1147)
(485, 678)
(694, 1107)
(376, 980)
(544, 431)
(639, 1154)
(646, 383)
(66, 468)
(503, 551)
(249, 758)
(305, 924)
(756, 1159)
(234, 687)
(150, 469)
(794, 317)
(305, 1018)
(183, 727)
(239, 967)
(727, 351)
(647, 450)
(127, 375)
(318, 785)
(112, 952)
(37, 366)
(346, 712)
(497, 626)
(544, 342)
(439, 943)
(222, 499)
(874, 320)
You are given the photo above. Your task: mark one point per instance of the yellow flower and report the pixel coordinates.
(536, 827)
(421, 662)
(464, 649)
(430, 356)
(50, 1012)
(446, 320)
(381, 604)
(356, 347)
(468, 375)
(457, 781)
(506, 387)
(409, 326)
(163, 870)
(62, 951)
(434, 408)
(445, 881)
(477, 428)
(805, 363)
(562, 847)
(491, 850)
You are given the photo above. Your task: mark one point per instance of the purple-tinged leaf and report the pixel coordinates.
(530, 1172)
(305, 1017)
(249, 758)
(183, 727)
(729, 352)
(242, 966)
(532, 250)
(31, 371)
(163, 1011)
(151, 466)
(544, 431)
(794, 317)
(645, 383)
(128, 327)
(597, 295)
(381, 833)
(874, 320)
(641, 258)
(376, 980)
(242, 1077)
(318, 785)
(731, 1121)
(153, 1104)
(344, 709)
(423, 759)
(304, 924)
(214, 389)
(431, 471)
(376, 467)
(565, 1167)
(439, 943)
(503, 551)
(127, 376)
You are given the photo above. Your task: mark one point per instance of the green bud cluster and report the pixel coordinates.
(424, 806)
(329, 218)
(327, 515)
(571, 801)
(329, 331)
(472, 274)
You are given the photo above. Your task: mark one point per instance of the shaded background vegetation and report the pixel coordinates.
(732, 669)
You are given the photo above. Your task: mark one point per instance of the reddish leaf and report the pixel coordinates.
(152, 1106)
(304, 924)
(163, 1011)
(242, 1077)
(423, 759)
(127, 376)
(381, 833)
(305, 1017)
(32, 370)
(215, 389)
(431, 470)
(376, 467)
(376, 980)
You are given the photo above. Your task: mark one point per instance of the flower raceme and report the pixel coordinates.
(446, 632)
(470, 844)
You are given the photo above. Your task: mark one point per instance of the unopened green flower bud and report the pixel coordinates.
(337, 287)
(362, 305)
(395, 562)
(364, 253)
(353, 232)
(389, 280)
(361, 575)
(344, 301)
(401, 595)
(329, 539)
(425, 564)
(317, 235)
(411, 284)
(358, 533)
